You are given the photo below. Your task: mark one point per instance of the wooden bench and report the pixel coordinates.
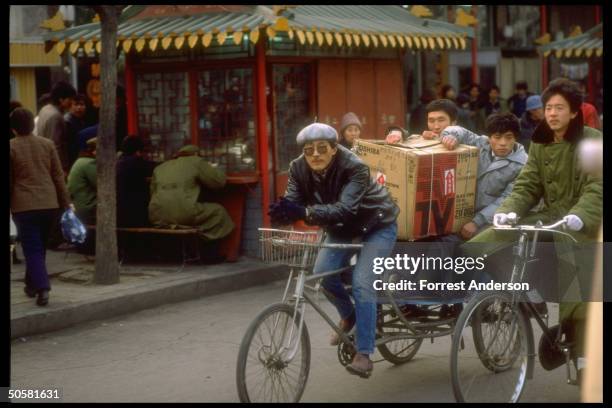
(184, 233)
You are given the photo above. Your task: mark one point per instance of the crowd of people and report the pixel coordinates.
(329, 186)
(54, 169)
(476, 104)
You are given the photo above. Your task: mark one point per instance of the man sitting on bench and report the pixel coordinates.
(175, 188)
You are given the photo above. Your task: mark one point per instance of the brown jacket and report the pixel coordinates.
(37, 178)
(51, 125)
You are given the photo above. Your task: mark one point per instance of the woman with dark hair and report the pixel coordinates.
(448, 92)
(37, 189)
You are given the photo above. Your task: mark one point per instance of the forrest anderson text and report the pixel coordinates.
(424, 284)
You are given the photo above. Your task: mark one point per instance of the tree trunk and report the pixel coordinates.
(107, 267)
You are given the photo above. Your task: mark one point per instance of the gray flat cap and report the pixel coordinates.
(316, 131)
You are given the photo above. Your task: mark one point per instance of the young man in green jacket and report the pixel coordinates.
(552, 173)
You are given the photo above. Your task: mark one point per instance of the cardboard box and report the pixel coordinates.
(433, 187)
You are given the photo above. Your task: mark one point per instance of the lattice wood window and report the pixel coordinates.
(163, 111)
(226, 118)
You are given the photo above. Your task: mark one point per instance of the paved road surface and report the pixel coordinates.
(187, 352)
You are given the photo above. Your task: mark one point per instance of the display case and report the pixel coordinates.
(226, 119)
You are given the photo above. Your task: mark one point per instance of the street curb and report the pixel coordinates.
(131, 300)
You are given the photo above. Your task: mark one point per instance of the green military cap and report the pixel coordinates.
(191, 149)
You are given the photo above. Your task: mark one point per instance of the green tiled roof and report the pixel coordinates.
(584, 45)
(387, 26)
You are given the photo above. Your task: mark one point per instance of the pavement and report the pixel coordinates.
(74, 298)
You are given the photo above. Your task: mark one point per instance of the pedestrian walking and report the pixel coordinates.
(37, 189)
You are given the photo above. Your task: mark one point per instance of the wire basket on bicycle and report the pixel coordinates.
(288, 247)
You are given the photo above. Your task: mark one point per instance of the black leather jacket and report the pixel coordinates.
(345, 201)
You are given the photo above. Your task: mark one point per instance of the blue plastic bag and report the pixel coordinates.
(73, 229)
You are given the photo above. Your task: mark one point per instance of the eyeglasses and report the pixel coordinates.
(309, 151)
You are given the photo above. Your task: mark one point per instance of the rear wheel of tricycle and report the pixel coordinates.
(398, 351)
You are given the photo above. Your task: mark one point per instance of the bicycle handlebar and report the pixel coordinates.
(537, 227)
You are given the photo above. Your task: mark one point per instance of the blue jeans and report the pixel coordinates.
(377, 243)
(33, 229)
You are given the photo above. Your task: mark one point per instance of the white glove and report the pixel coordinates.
(573, 222)
(502, 218)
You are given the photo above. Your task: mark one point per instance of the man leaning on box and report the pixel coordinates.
(500, 161)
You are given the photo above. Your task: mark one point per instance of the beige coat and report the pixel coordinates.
(37, 178)
(51, 125)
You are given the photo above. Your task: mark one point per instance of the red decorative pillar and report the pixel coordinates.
(262, 126)
(130, 97)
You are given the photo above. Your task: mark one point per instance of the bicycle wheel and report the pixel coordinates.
(263, 373)
(489, 363)
(397, 351)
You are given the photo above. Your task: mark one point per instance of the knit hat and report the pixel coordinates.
(316, 131)
(348, 120)
(533, 102)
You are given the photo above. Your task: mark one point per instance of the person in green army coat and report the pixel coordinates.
(83, 185)
(554, 175)
(175, 188)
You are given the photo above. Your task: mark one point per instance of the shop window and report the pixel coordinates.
(290, 110)
(163, 112)
(226, 119)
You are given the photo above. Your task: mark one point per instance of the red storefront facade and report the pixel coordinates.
(242, 102)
